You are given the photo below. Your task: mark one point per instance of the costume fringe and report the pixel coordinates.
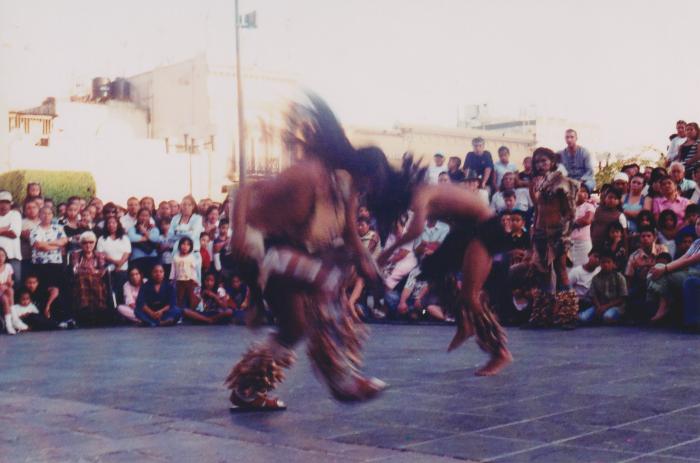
(261, 368)
(565, 308)
(490, 336)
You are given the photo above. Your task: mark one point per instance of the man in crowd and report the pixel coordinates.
(479, 163)
(577, 160)
(10, 231)
(686, 187)
(502, 166)
(638, 265)
(676, 142)
(128, 220)
(453, 169)
(436, 169)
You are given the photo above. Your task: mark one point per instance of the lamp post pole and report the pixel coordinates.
(239, 94)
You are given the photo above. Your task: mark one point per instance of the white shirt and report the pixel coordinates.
(6, 273)
(115, 249)
(13, 219)
(433, 234)
(127, 221)
(501, 170)
(674, 148)
(434, 172)
(581, 280)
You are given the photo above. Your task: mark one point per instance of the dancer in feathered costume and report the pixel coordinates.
(475, 236)
(299, 230)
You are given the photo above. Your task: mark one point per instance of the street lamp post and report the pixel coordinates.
(250, 23)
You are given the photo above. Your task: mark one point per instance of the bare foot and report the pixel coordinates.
(495, 365)
(464, 332)
(660, 314)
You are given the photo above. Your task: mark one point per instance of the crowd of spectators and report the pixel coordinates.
(634, 255)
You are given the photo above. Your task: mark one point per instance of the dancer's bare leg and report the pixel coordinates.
(476, 267)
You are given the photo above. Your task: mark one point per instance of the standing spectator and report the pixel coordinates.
(676, 142)
(478, 163)
(631, 170)
(633, 202)
(525, 176)
(223, 236)
(668, 229)
(608, 293)
(131, 292)
(670, 200)
(688, 226)
(98, 205)
(144, 237)
(71, 227)
(187, 223)
(128, 220)
(10, 231)
(163, 211)
(685, 186)
(581, 278)
(687, 152)
(581, 243)
(695, 197)
(29, 223)
(155, 304)
(503, 165)
(622, 182)
(7, 295)
(443, 178)
(519, 238)
(577, 160)
(33, 191)
(652, 189)
(211, 221)
(148, 203)
(184, 274)
(115, 247)
(608, 212)
(89, 289)
(453, 169)
(436, 169)
(205, 255)
(471, 183)
(174, 208)
(165, 245)
(48, 242)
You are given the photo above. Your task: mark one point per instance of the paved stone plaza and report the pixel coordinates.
(156, 395)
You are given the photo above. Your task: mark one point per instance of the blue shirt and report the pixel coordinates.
(138, 250)
(191, 229)
(579, 165)
(156, 300)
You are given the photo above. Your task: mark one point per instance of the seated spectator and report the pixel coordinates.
(49, 302)
(608, 212)
(692, 212)
(523, 202)
(453, 169)
(616, 243)
(666, 280)
(668, 229)
(131, 291)
(525, 175)
(669, 200)
(443, 178)
(581, 243)
(581, 278)
(684, 186)
(608, 293)
(402, 261)
(519, 237)
(363, 211)
(184, 274)
(89, 288)
(48, 241)
(479, 164)
(115, 248)
(238, 298)
(432, 237)
(204, 246)
(214, 307)
(26, 315)
(683, 242)
(412, 300)
(7, 295)
(435, 169)
(368, 237)
(506, 222)
(144, 237)
(471, 183)
(633, 202)
(638, 265)
(155, 304)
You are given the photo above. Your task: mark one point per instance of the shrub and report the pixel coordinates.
(57, 185)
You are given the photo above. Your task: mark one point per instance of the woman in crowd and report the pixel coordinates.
(144, 238)
(633, 202)
(72, 227)
(98, 205)
(523, 202)
(155, 304)
(211, 221)
(148, 203)
(188, 224)
(214, 304)
(668, 227)
(33, 191)
(131, 292)
(653, 187)
(608, 212)
(115, 247)
(89, 289)
(48, 241)
(670, 199)
(581, 243)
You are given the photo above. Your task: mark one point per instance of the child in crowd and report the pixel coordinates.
(238, 298)
(184, 275)
(165, 247)
(688, 226)
(519, 237)
(616, 245)
(131, 292)
(608, 212)
(581, 278)
(506, 222)
(668, 229)
(368, 237)
(638, 265)
(7, 295)
(608, 293)
(220, 242)
(205, 241)
(24, 309)
(214, 304)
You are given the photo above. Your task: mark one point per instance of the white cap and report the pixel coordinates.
(621, 177)
(5, 196)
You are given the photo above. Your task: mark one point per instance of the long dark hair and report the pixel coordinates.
(120, 229)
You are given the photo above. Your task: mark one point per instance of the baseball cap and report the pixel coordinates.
(439, 154)
(621, 177)
(6, 196)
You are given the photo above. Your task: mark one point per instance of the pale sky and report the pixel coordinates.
(628, 66)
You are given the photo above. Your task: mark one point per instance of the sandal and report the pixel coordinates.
(261, 403)
(363, 389)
